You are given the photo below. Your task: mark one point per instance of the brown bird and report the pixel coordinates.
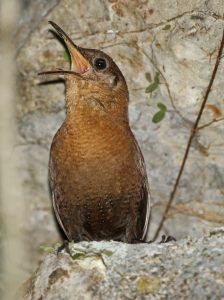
(97, 172)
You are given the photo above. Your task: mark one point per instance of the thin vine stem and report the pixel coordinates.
(192, 135)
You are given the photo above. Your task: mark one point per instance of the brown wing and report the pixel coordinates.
(51, 176)
(144, 216)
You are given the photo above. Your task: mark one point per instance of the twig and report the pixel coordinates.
(193, 132)
(209, 123)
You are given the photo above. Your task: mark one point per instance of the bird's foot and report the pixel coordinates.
(64, 246)
(167, 239)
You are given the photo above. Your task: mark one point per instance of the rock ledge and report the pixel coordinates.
(187, 269)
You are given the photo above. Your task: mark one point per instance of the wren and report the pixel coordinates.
(97, 173)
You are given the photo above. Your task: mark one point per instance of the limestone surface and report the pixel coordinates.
(188, 269)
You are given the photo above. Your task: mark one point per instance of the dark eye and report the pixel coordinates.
(100, 64)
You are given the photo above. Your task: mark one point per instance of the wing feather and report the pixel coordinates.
(54, 203)
(145, 195)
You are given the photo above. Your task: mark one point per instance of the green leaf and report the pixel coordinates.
(66, 56)
(47, 249)
(153, 86)
(78, 255)
(167, 27)
(158, 116)
(162, 106)
(108, 252)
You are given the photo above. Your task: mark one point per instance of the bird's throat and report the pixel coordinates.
(83, 95)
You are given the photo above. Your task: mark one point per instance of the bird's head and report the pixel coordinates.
(93, 78)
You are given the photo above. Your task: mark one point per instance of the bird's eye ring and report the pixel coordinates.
(100, 63)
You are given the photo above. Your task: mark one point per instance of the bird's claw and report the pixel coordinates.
(167, 239)
(64, 246)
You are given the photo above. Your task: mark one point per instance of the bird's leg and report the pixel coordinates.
(64, 246)
(167, 239)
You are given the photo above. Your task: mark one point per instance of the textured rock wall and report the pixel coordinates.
(178, 40)
(187, 269)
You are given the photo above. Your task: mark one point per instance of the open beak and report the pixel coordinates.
(79, 64)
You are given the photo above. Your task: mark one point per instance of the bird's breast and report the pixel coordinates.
(95, 175)
(95, 152)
